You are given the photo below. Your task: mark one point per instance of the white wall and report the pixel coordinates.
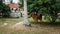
(15, 1)
(8, 1)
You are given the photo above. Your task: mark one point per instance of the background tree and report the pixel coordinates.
(45, 7)
(21, 3)
(4, 9)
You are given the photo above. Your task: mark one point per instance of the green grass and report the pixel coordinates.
(10, 20)
(35, 29)
(44, 20)
(31, 20)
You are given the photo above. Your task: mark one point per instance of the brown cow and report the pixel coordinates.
(36, 17)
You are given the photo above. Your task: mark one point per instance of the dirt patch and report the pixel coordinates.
(35, 29)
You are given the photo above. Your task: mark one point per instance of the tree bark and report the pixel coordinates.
(26, 22)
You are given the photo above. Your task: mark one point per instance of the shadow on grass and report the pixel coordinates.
(50, 24)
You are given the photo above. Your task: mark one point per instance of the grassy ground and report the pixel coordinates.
(44, 20)
(16, 20)
(42, 28)
(35, 29)
(10, 21)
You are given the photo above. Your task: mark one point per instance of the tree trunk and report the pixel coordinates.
(26, 22)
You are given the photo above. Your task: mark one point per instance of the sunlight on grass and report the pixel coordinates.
(35, 29)
(10, 20)
(31, 20)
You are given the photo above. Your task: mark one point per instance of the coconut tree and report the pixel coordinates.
(26, 22)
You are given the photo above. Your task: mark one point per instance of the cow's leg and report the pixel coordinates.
(35, 20)
(40, 17)
(41, 20)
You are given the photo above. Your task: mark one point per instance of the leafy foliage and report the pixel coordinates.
(4, 9)
(45, 7)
